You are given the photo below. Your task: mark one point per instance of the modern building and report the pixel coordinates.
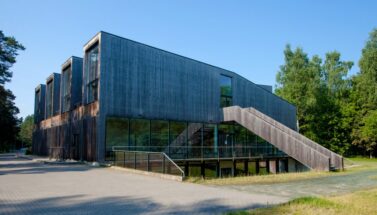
(125, 100)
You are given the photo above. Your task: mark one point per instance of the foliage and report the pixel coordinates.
(9, 123)
(320, 91)
(26, 130)
(9, 48)
(8, 120)
(365, 98)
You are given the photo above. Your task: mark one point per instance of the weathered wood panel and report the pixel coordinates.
(137, 80)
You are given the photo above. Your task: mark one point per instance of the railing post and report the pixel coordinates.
(134, 160)
(148, 166)
(163, 164)
(124, 159)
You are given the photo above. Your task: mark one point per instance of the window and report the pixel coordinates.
(66, 89)
(225, 91)
(178, 139)
(49, 98)
(37, 104)
(116, 135)
(91, 73)
(139, 135)
(159, 136)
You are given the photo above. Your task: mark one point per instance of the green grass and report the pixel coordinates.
(354, 165)
(360, 202)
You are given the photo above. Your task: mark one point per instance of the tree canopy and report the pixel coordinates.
(334, 109)
(9, 123)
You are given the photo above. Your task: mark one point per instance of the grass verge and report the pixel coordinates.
(360, 202)
(359, 164)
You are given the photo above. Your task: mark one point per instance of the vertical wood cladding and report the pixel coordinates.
(137, 80)
(140, 81)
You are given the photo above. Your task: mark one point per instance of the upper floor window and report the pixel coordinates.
(91, 73)
(66, 89)
(49, 98)
(226, 95)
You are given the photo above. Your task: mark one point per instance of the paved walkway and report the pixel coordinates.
(29, 187)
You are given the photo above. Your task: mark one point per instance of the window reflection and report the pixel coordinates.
(91, 73)
(66, 88)
(182, 140)
(226, 95)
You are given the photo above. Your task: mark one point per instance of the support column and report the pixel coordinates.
(277, 166)
(257, 166)
(246, 167)
(218, 169)
(202, 169)
(268, 166)
(186, 168)
(234, 168)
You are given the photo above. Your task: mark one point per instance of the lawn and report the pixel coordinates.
(352, 165)
(360, 202)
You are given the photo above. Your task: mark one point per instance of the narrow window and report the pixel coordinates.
(225, 91)
(49, 98)
(37, 109)
(91, 73)
(66, 91)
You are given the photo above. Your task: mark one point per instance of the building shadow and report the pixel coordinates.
(80, 204)
(14, 165)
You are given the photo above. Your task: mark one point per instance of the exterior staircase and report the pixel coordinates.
(299, 147)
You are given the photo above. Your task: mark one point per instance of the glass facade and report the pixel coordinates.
(91, 73)
(226, 96)
(66, 89)
(183, 140)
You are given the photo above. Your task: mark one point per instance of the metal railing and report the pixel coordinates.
(157, 162)
(230, 151)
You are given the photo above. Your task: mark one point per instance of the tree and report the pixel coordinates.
(9, 122)
(369, 133)
(365, 96)
(26, 130)
(319, 91)
(298, 81)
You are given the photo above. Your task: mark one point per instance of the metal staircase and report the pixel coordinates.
(287, 140)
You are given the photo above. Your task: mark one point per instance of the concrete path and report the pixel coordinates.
(29, 187)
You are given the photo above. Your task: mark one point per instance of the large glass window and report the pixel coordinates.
(49, 98)
(225, 140)
(194, 140)
(226, 96)
(159, 136)
(116, 135)
(139, 135)
(210, 140)
(178, 140)
(66, 89)
(91, 73)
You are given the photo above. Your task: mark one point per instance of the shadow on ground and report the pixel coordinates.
(12, 165)
(111, 205)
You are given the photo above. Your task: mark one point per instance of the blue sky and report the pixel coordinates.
(247, 37)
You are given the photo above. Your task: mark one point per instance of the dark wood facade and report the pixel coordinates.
(139, 81)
